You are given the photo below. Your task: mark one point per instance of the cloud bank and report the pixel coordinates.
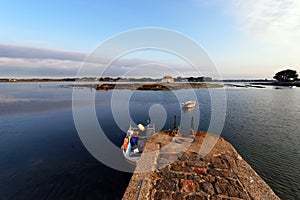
(22, 61)
(13, 51)
(276, 21)
(27, 62)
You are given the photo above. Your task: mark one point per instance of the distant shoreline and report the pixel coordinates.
(108, 79)
(297, 84)
(150, 86)
(110, 83)
(5, 80)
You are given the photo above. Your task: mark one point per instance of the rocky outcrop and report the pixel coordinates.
(173, 168)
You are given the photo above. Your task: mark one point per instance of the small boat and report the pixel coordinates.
(135, 141)
(285, 87)
(188, 104)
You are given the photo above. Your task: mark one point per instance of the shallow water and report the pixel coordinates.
(43, 157)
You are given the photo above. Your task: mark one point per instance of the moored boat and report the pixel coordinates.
(188, 104)
(135, 141)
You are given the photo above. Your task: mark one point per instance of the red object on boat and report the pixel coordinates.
(125, 144)
(134, 135)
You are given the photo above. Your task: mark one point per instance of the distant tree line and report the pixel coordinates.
(199, 79)
(287, 75)
(176, 79)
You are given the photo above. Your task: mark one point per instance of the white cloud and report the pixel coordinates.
(16, 51)
(38, 63)
(33, 67)
(276, 21)
(23, 61)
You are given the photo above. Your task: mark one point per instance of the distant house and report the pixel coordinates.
(167, 79)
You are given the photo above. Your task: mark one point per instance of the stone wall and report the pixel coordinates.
(176, 168)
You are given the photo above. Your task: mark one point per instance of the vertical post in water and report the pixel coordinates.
(192, 123)
(174, 121)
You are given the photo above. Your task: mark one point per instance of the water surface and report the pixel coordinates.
(43, 157)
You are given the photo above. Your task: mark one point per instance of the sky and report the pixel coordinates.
(243, 38)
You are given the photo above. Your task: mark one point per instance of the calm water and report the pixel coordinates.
(42, 156)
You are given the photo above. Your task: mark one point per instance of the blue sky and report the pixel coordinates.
(245, 40)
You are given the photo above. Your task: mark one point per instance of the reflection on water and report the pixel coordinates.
(42, 155)
(264, 127)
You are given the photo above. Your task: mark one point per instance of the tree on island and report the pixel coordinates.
(287, 75)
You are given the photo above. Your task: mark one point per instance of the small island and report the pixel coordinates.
(155, 86)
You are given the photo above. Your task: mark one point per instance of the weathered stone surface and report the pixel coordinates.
(166, 185)
(161, 195)
(186, 185)
(207, 187)
(178, 196)
(179, 171)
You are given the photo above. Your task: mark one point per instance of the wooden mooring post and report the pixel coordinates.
(175, 122)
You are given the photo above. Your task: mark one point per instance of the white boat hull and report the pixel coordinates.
(132, 160)
(188, 105)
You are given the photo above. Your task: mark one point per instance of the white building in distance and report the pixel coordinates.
(167, 79)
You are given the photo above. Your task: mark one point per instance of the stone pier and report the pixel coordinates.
(173, 168)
